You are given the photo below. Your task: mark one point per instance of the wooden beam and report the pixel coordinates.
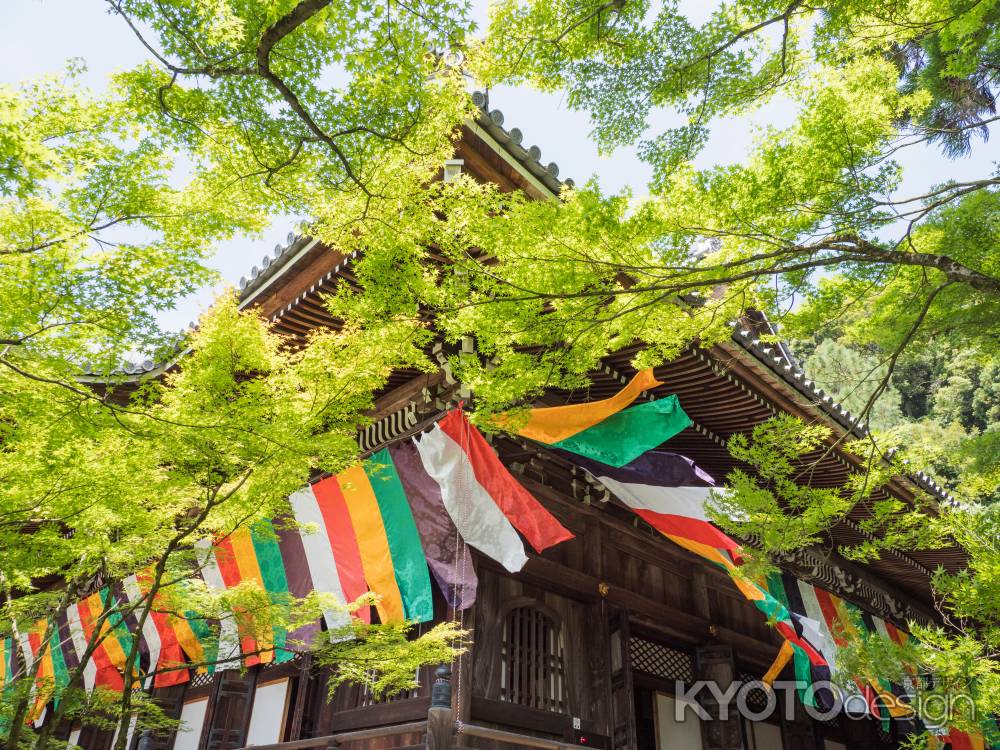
(664, 617)
(344, 737)
(320, 261)
(479, 166)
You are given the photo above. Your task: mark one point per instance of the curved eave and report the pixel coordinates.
(774, 358)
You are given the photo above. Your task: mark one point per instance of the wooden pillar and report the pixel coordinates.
(715, 664)
(607, 695)
(623, 728)
(699, 593)
(302, 688)
(440, 719)
(461, 678)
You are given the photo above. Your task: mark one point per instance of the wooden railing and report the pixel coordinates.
(513, 738)
(332, 740)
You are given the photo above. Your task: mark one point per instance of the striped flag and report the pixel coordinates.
(79, 639)
(296, 565)
(169, 654)
(447, 555)
(609, 431)
(227, 653)
(529, 516)
(6, 662)
(475, 514)
(785, 589)
(236, 563)
(326, 570)
(44, 687)
(484, 501)
(199, 642)
(669, 491)
(55, 659)
(150, 635)
(373, 539)
(249, 554)
(108, 656)
(406, 553)
(67, 646)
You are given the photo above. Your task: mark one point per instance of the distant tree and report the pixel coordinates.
(851, 377)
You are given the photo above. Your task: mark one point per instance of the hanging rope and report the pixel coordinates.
(460, 577)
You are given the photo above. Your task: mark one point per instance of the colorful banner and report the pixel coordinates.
(448, 558)
(411, 511)
(384, 526)
(6, 663)
(530, 517)
(669, 492)
(479, 520)
(609, 431)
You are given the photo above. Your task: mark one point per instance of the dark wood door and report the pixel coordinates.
(171, 700)
(230, 714)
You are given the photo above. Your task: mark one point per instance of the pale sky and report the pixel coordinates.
(39, 36)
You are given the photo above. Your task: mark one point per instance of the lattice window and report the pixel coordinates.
(200, 679)
(756, 697)
(833, 721)
(660, 661)
(532, 671)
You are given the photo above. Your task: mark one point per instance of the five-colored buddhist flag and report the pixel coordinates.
(108, 656)
(406, 551)
(609, 431)
(296, 564)
(80, 641)
(237, 562)
(447, 555)
(6, 662)
(343, 542)
(169, 661)
(414, 507)
(807, 671)
(551, 425)
(368, 533)
(483, 500)
(323, 566)
(667, 490)
(199, 641)
(228, 650)
(67, 647)
(44, 686)
(150, 635)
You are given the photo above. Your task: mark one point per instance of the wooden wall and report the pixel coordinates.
(585, 657)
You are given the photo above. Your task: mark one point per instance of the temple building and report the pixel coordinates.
(588, 643)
